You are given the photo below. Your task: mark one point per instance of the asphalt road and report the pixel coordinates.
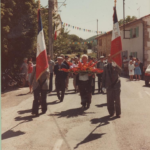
(66, 126)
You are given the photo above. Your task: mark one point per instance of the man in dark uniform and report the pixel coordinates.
(100, 65)
(111, 82)
(60, 78)
(40, 87)
(67, 65)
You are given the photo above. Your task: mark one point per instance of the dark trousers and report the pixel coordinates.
(85, 90)
(100, 82)
(51, 82)
(39, 95)
(60, 88)
(113, 101)
(93, 85)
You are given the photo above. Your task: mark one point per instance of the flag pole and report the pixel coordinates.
(115, 2)
(39, 4)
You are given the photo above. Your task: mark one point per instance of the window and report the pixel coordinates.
(125, 53)
(134, 54)
(100, 42)
(134, 32)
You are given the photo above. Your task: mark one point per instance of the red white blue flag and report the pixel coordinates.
(41, 55)
(116, 44)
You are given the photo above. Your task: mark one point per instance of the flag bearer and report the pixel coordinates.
(111, 82)
(40, 87)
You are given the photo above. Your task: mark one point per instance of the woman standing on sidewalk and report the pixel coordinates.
(137, 69)
(85, 88)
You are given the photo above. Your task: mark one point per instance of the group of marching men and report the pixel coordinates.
(83, 83)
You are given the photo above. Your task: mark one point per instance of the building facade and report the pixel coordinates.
(135, 43)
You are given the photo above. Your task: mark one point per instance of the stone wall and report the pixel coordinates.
(146, 22)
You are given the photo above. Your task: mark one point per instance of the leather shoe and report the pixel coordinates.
(118, 116)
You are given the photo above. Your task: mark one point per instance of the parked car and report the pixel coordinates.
(147, 75)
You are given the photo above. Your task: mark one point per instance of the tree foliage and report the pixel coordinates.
(19, 30)
(64, 45)
(127, 20)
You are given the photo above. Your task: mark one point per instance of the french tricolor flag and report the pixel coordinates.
(116, 44)
(41, 56)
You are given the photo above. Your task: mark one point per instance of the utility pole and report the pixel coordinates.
(124, 17)
(97, 38)
(51, 5)
(139, 11)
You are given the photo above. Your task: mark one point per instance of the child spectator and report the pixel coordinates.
(131, 70)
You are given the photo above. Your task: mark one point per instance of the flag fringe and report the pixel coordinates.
(41, 74)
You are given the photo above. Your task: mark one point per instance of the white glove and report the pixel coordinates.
(114, 64)
(104, 90)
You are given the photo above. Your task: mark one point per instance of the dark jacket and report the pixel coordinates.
(42, 78)
(60, 75)
(110, 77)
(67, 65)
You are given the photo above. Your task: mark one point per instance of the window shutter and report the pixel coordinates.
(136, 54)
(137, 31)
(131, 33)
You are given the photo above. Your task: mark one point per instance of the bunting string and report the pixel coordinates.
(81, 29)
(79, 43)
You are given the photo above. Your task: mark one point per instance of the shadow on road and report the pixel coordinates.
(71, 113)
(146, 86)
(23, 94)
(25, 111)
(54, 102)
(101, 105)
(52, 94)
(26, 118)
(11, 133)
(70, 93)
(99, 93)
(103, 121)
(66, 93)
(91, 137)
(9, 89)
(71, 90)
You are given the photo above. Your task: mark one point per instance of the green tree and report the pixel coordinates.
(19, 30)
(128, 19)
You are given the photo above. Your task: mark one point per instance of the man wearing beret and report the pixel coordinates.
(111, 82)
(60, 78)
(67, 65)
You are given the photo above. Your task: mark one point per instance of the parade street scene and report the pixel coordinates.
(75, 75)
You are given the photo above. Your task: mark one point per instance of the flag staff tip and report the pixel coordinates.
(39, 4)
(115, 2)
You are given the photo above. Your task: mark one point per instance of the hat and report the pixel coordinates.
(59, 58)
(101, 57)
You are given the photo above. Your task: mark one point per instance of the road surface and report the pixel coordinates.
(66, 126)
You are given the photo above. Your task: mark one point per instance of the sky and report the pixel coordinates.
(84, 13)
